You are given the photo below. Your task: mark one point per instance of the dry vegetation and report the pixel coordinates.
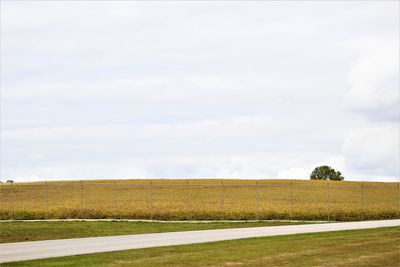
(201, 200)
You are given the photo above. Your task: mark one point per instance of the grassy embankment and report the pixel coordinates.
(33, 231)
(201, 200)
(370, 247)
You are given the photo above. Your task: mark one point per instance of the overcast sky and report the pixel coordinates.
(199, 89)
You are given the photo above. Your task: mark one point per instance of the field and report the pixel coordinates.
(202, 199)
(368, 247)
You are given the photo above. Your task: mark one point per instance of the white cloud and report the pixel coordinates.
(373, 151)
(375, 80)
(188, 89)
(337, 162)
(295, 173)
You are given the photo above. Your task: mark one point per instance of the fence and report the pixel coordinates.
(201, 200)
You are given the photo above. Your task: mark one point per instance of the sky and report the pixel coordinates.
(261, 90)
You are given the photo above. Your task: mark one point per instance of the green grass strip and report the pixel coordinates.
(370, 247)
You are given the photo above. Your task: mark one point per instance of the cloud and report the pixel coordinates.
(373, 151)
(375, 81)
(295, 173)
(243, 90)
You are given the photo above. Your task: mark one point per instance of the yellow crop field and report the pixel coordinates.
(201, 199)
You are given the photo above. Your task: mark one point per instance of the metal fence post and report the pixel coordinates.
(291, 200)
(189, 200)
(46, 200)
(81, 200)
(266, 195)
(222, 200)
(398, 198)
(115, 200)
(257, 201)
(329, 200)
(12, 195)
(362, 201)
(151, 200)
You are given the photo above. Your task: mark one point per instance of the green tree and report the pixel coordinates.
(326, 173)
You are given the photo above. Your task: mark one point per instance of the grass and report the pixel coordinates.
(201, 200)
(33, 231)
(370, 247)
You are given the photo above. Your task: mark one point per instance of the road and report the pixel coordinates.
(10, 252)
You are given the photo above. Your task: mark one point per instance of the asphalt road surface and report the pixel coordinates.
(75, 246)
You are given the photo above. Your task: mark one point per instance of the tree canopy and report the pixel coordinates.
(326, 173)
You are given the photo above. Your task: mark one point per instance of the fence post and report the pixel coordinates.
(46, 200)
(115, 200)
(398, 197)
(329, 200)
(12, 195)
(266, 195)
(362, 201)
(257, 200)
(151, 200)
(291, 200)
(222, 200)
(189, 200)
(81, 199)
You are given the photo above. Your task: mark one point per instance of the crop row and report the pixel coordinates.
(199, 200)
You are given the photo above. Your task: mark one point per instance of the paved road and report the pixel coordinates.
(66, 247)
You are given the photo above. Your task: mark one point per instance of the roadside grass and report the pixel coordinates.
(33, 231)
(368, 247)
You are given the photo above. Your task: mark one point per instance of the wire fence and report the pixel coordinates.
(194, 200)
